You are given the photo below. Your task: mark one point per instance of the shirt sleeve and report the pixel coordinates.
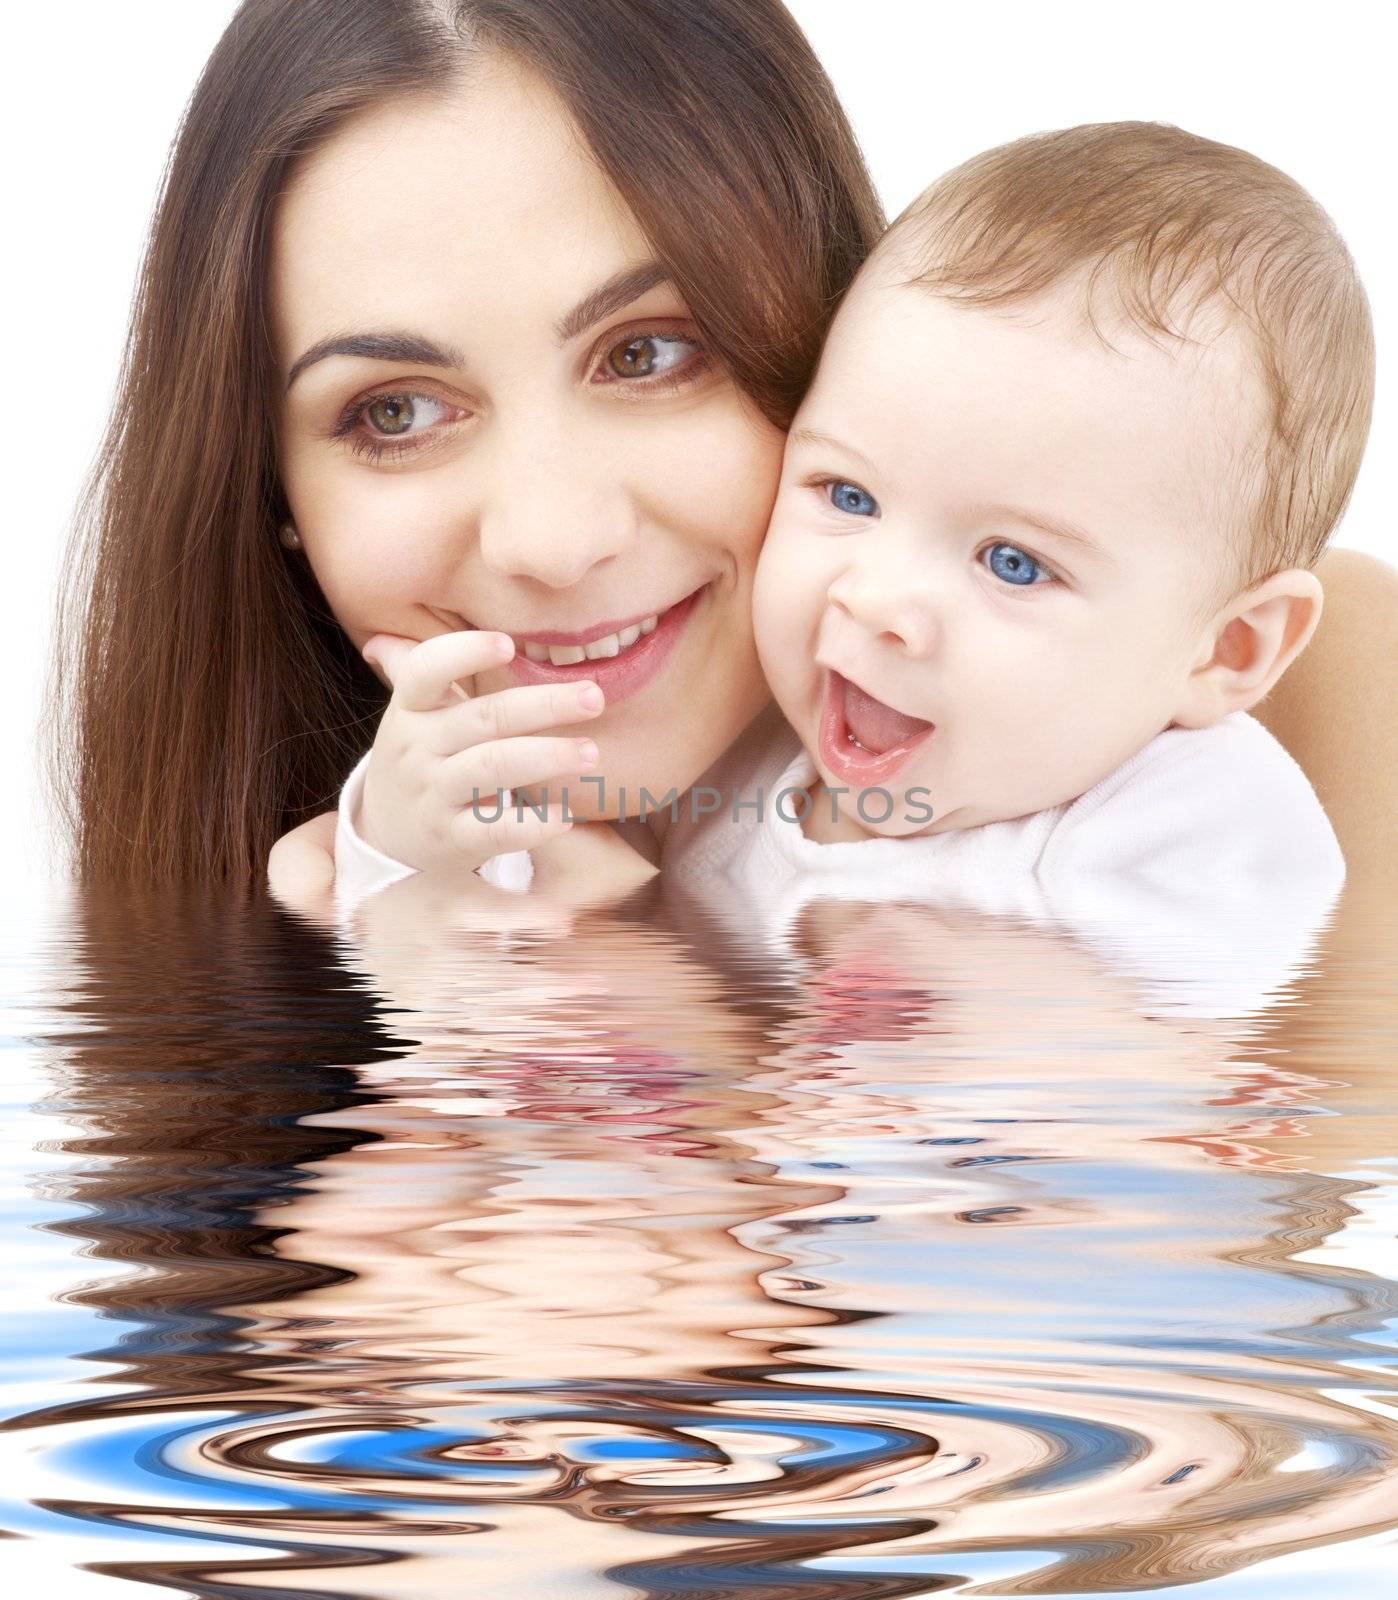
(361, 870)
(1205, 866)
(514, 870)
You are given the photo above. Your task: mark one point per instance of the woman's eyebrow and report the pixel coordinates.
(619, 290)
(377, 347)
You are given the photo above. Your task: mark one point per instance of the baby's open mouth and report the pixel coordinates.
(875, 727)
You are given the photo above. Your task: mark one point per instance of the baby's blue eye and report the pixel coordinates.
(1014, 565)
(851, 499)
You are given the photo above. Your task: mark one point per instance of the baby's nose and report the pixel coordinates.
(889, 609)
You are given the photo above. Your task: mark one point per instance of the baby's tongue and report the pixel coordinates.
(877, 727)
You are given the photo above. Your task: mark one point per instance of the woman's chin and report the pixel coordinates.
(619, 799)
(594, 798)
(646, 779)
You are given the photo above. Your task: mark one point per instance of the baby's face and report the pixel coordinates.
(994, 549)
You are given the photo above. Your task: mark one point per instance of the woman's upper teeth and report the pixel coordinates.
(566, 655)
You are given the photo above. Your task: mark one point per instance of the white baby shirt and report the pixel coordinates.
(1203, 866)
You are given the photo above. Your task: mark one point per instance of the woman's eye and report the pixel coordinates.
(392, 424)
(1013, 565)
(658, 360)
(851, 499)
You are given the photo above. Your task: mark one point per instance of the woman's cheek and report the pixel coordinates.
(714, 475)
(768, 615)
(766, 444)
(787, 602)
(377, 545)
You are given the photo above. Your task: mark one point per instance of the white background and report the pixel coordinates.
(96, 89)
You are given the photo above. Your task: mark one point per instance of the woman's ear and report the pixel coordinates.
(1248, 644)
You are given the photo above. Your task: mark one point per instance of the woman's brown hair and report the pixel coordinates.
(202, 698)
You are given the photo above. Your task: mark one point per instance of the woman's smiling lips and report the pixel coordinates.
(630, 655)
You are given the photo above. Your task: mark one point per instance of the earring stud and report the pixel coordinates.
(289, 536)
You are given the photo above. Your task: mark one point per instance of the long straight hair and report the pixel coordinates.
(202, 698)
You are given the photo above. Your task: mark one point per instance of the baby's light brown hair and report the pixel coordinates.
(1171, 222)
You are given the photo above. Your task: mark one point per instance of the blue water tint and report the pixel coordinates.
(135, 1466)
(110, 1456)
(1272, 1580)
(41, 1334)
(635, 1450)
(405, 1452)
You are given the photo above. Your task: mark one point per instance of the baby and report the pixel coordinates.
(1045, 532)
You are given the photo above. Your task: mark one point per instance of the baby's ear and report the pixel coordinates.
(1248, 644)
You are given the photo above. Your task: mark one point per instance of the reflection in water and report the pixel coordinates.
(588, 1252)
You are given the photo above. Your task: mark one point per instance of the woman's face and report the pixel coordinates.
(525, 433)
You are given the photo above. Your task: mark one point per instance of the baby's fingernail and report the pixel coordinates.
(590, 698)
(587, 751)
(504, 646)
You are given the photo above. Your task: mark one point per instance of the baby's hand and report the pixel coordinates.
(438, 749)
(301, 867)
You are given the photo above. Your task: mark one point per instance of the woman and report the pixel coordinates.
(476, 175)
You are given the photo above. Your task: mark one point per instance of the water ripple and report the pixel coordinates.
(608, 1264)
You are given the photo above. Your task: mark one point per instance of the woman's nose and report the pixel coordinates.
(553, 517)
(889, 608)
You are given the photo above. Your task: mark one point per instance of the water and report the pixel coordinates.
(607, 1253)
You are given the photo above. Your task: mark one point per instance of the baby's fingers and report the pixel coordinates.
(506, 714)
(422, 676)
(491, 828)
(476, 775)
